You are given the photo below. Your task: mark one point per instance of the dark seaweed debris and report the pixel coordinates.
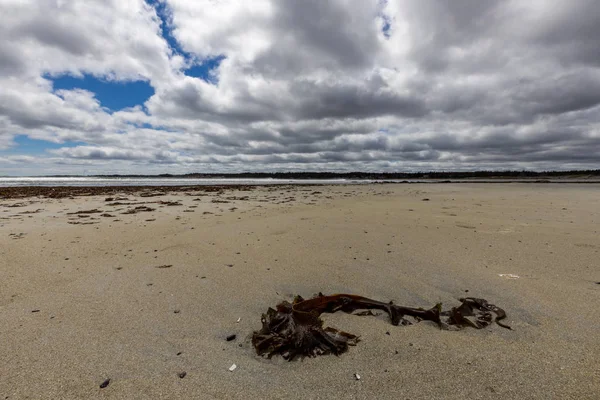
(296, 329)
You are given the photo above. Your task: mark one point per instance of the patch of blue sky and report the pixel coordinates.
(204, 69)
(163, 13)
(387, 25)
(387, 22)
(146, 125)
(143, 125)
(24, 145)
(198, 68)
(114, 95)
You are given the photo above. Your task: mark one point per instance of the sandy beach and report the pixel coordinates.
(141, 285)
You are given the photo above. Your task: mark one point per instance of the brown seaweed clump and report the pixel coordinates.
(296, 329)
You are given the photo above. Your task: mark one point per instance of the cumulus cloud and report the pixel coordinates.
(304, 84)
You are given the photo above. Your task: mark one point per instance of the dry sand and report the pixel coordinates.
(107, 311)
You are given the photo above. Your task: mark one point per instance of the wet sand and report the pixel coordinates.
(139, 286)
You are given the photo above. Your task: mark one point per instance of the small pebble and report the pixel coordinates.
(182, 374)
(231, 337)
(105, 383)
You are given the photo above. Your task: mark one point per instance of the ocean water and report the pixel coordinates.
(93, 181)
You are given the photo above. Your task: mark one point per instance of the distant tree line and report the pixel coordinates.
(375, 175)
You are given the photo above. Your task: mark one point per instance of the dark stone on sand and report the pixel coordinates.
(105, 383)
(34, 311)
(164, 266)
(182, 374)
(231, 337)
(425, 199)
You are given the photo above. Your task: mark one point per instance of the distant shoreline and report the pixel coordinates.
(354, 175)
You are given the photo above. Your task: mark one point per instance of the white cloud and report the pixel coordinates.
(118, 39)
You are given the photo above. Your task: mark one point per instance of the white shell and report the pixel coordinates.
(509, 276)
(238, 320)
(232, 368)
(357, 376)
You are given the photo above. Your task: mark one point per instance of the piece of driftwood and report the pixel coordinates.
(296, 329)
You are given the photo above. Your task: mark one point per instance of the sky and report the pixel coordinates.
(180, 86)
